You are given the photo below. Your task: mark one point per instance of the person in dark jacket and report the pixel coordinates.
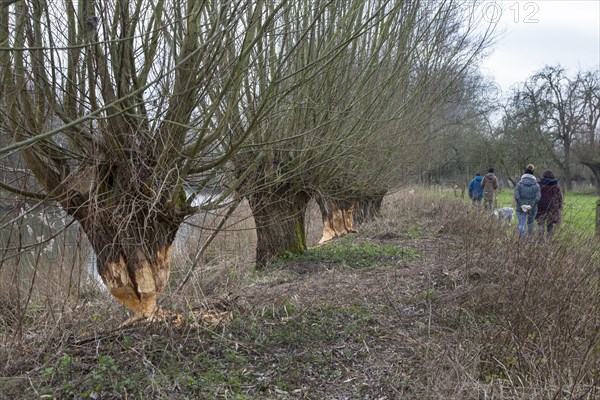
(475, 190)
(550, 204)
(489, 184)
(527, 195)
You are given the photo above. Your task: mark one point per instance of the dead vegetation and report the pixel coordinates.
(432, 301)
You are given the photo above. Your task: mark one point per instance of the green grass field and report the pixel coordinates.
(579, 214)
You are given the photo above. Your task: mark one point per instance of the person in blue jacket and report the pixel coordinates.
(476, 190)
(527, 196)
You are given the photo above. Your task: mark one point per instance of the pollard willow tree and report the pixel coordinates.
(411, 123)
(339, 136)
(118, 106)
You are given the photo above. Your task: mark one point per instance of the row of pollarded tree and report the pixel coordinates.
(117, 107)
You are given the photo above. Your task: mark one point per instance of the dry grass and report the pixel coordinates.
(522, 314)
(479, 314)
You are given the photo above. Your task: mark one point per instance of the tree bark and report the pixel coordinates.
(368, 208)
(280, 223)
(595, 167)
(135, 270)
(337, 217)
(131, 231)
(567, 166)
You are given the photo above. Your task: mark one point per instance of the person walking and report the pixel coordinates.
(489, 184)
(475, 190)
(527, 195)
(550, 205)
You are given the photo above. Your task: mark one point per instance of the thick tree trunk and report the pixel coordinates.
(567, 167)
(280, 223)
(368, 208)
(133, 261)
(595, 167)
(135, 273)
(512, 181)
(337, 216)
(131, 230)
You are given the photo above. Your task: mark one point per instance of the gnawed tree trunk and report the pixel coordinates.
(135, 277)
(131, 228)
(368, 208)
(337, 216)
(280, 223)
(135, 270)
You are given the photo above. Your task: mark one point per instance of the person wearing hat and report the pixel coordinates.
(550, 204)
(527, 195)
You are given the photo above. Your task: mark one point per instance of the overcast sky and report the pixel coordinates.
(541, 32)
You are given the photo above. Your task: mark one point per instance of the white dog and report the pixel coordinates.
(504, 214)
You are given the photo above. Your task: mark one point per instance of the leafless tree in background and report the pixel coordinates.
(587, 146)
(553, 119)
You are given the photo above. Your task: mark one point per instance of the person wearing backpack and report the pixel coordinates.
(527, 195)
(550, 205)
